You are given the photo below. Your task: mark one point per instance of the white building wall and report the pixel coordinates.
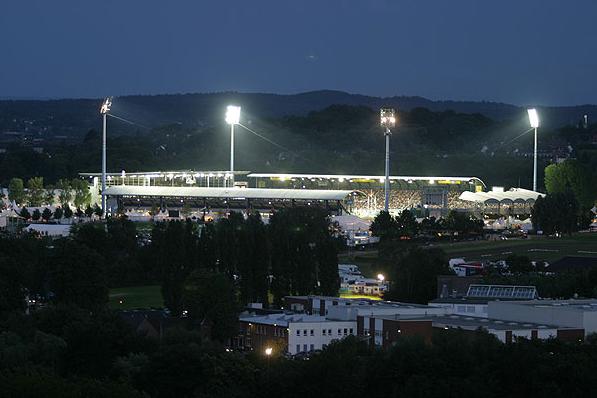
(309, 336)
(537, 313)
(476, 310)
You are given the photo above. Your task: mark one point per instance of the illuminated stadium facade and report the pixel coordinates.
(215, 191)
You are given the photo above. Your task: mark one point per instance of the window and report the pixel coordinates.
(345, 332)
(339, 332)
(305, 332)
(312, 332)
(323, 331)
(329, 332)
(312, 347)
(298, 332)
(305, 347)
(350, 330)
(298, 348)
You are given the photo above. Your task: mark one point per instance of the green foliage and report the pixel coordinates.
(209, 299)
(414, 276)
(65, 195)
(16, 191)
(25, 213)
(575, 176)
(558, 212)
(58, 213)
(518, 264)
(35, 191)
(68, 213)
(82, 195)
(46, 214)
(36, 215)
(79, 276)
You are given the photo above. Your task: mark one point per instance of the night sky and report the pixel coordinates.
(516, 51)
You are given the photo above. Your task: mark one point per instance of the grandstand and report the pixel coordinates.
(361, 195)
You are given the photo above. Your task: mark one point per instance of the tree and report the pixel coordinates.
(209, 298)
(79, 213)
(414, 277)
(384, 226)
(36, 215)
(88, 211)
(16, 191)
(65, 195)
(327, 261)
(12, 292)
(557, 212)
(68, 213)
(572, 175)
(97, 210)
(35, 187)
(25, 213)
(174, 250)
(58, 213)
(46, 214)
(79, 276)
(518, 264)
(82, 193)
(406, 224)
(253, 264)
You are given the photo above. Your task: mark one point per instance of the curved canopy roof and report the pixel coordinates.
(343, 177)
(513, 195)
(228, 193)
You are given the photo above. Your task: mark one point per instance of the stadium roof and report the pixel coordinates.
(228, 193)
(349, 177)
(513, 195)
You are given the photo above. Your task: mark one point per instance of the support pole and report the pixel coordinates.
(387, 177)
(535, 164)
(104, 168)
(232, 153)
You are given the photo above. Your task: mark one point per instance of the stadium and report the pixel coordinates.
(201, 193)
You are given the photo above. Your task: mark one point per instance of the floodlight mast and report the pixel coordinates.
(104, 110)
(534, 121)
(388, 121)
(232, 118)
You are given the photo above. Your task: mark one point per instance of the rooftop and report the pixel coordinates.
(474, 323)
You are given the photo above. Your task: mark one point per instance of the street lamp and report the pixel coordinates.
(388, 121)
(232, 118)
(104, 110)
(381, 277)
(534, 121)
(268, 351)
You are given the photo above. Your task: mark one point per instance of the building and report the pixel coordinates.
(476, 301)
(291, 333)
(384, 330)
(575, 314)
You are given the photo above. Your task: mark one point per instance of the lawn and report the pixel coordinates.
(126, 298)
(536, 248)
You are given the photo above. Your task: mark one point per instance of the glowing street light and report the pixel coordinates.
(104, 110)
(381, 277)
(232, 118)
(534, 121)
(269, 351)
(388, 121)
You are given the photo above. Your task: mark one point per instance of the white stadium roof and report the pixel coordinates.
(363, 177)
(227, 193)
(513, 195)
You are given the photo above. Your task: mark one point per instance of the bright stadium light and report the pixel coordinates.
(387, 119)
(104, 110)
(232, 114)
(381, 277)
(533, 117)
(232, 118)
(534, 121)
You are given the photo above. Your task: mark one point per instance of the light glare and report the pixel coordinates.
(232, 114)
(533, 117)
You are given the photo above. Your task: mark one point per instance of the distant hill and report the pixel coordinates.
(75, 117)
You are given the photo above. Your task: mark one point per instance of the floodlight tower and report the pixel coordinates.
(104, 110)
(534, 121)
(232, 118)
(387, 121)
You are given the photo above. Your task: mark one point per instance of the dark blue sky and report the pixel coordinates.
(517, 51)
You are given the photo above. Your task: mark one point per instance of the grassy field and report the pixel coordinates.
(126, 298)
(536, 248)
